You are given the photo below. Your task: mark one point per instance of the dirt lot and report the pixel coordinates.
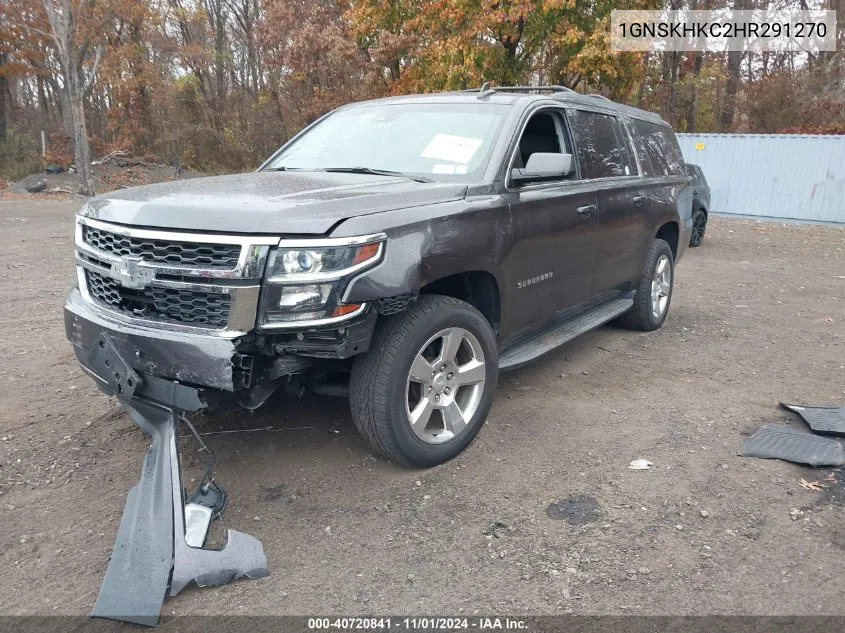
(758, 316)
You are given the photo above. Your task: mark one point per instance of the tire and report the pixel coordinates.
(384, 395)
(699, 226)
(642, 315)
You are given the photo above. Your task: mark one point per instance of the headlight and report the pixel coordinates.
(325, 263)
(298, 297)
(305, 279)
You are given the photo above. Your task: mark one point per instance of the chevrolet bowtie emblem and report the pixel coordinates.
(131, 274)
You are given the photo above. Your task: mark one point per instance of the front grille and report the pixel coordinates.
(164, 252)
(187, 307)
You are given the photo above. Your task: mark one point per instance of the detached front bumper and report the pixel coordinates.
(171, 364)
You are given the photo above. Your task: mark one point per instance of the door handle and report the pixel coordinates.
(639, 200)
(586, 211)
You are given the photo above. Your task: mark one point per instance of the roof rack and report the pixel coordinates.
(486, 90)
(598, 96)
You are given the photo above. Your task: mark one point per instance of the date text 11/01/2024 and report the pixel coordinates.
(416, 624)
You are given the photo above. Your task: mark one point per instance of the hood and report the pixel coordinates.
(265, 202)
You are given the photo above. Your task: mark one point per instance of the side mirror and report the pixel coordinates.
(544, 165)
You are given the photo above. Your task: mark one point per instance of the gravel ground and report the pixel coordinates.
(541, 515)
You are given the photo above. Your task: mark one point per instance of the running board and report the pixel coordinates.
(560, 332)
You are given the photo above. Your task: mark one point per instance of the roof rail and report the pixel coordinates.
(486, 88)
(598, 96)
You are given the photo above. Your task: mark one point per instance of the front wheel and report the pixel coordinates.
(654, 291)
(423, 391)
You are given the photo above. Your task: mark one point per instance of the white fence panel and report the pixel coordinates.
(795, 176)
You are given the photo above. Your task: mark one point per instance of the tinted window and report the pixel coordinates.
(642, 154)
(602, 145)
(660, 146)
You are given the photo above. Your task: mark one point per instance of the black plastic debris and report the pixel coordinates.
(151, 557)
(825, 420)
(139, 570)
(773, 441)
(242, 557)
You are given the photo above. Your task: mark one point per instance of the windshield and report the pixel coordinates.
(437, 141)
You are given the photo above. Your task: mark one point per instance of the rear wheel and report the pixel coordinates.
(699, 226)
(654, 291)
(423, 391)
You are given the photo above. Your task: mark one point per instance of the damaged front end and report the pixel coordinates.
(223, 313)
(168, 321)
(159, 548)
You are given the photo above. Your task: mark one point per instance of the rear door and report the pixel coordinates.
(607, 159)
(665, 179)
(549, 268)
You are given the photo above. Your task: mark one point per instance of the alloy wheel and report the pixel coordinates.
(445, 385)
(661, 286)
(698, 227)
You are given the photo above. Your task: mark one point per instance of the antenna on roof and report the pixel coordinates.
(485, 91)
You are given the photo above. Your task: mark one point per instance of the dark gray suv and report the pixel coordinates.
(405, 249)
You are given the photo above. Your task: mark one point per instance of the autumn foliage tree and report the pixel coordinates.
(219, 84)
(455, 44)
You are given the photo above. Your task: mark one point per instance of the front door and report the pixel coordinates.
(555, 222)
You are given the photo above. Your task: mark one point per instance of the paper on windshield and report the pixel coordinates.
(448, 168)
(456, 149)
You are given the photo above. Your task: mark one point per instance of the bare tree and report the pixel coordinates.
(4, 89)
(726, 117)
(63, 17)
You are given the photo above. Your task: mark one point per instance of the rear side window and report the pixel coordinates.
(657, 143)
(603, 148)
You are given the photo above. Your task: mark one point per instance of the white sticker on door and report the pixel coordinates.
(456, 149)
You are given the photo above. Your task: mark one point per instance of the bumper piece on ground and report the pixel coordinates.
(151, 557)
(773, 441)
(826, 420)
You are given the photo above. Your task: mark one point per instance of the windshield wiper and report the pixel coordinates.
(285, 168)
(376, 172)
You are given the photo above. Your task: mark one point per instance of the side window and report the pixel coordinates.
(542, 133)
(662, 148)
(643, 155)
(603, 147)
